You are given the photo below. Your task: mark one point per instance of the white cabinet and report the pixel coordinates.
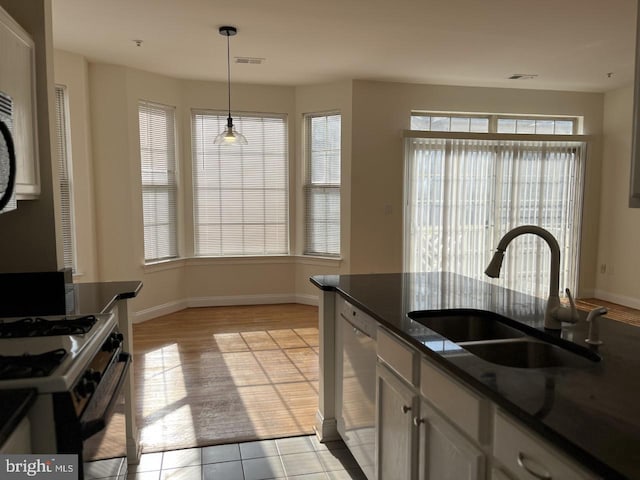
(527, 457)
(444, 453)
(415, 441)
(17, 79)
(396, 435)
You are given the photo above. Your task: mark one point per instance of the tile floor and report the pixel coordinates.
(293, 458)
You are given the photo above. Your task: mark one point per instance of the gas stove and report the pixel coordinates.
(78, 366)
(50, 353)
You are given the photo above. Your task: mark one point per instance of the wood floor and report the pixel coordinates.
(207, 376)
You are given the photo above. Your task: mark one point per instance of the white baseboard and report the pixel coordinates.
(619, 299)
(159, 310)
(222, 301)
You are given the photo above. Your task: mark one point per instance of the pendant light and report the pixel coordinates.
(229, 136)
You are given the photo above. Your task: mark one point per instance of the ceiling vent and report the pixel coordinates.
(522, 76)
(249, 60)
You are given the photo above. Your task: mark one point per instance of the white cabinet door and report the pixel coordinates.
(528, 457)
(396, 436)
(445, 454)
(17, 79)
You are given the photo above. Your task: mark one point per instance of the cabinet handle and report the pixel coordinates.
(417, 421)
(522, 463)
(405, 409)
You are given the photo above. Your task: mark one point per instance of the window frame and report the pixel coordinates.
(65, 174)
(238, 117)
(308, 185)
(175, 185)
(493, 121)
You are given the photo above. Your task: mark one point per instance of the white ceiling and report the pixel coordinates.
(570, 44)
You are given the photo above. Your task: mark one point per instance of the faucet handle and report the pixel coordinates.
(594, 329)
(568, 314)
(571, 302)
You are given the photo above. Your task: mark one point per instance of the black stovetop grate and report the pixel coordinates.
(30, 366)
(40, 327)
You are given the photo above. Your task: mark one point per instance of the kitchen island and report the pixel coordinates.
(588, 413)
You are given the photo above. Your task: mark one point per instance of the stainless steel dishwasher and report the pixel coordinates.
(356, 422)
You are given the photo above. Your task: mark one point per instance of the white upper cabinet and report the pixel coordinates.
(17, 79)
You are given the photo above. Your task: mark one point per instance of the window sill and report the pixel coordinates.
(174, 263)
(319, 260)
(162, 265)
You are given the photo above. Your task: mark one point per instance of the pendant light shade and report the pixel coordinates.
(229, 136)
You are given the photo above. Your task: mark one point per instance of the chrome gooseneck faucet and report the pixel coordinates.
(555, 312)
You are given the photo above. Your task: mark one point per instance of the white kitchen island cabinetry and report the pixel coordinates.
(396, 439)
(18, 80)
(444, 453)
(415, 441)
(525, 456)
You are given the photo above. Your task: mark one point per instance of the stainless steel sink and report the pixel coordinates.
(488, 336)
(466, 325)
(528, 353)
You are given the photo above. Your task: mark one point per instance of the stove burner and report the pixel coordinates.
(39, 327)
(28, 366)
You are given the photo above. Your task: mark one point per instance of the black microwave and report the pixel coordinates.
(7, 155)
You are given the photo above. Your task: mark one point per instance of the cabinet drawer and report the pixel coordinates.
(521, 452)
(397, 355)
(463, 407)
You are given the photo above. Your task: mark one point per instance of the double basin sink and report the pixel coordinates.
(490, 337)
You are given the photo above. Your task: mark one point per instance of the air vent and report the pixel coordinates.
(6, 105)
(249, 60)
(522, 76)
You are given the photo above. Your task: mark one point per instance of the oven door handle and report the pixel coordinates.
(107, 400)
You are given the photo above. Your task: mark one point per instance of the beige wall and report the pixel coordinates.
(382, 110)
(619, 224)
(374, 115)
(71, 71)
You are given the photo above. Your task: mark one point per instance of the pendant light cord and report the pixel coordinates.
(229, 79)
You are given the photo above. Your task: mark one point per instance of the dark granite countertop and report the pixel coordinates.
(592, 413)
(100, 297)
(14, 405)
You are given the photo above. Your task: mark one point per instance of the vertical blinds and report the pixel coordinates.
(65, 178)
(464, 195)
(322, 185)
(240, 192)
(159, 187)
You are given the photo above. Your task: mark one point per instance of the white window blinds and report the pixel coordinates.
(240, 193)
(159, 187)
(65, 177)
(464, 195)
(322, 185)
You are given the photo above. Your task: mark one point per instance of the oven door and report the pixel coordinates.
(81, 414)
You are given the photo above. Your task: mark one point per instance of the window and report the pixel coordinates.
(322, 185)
(434, 122)
(460, 122)
(240, 192)
(464, 195)
(65, 177)
(159, 186)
